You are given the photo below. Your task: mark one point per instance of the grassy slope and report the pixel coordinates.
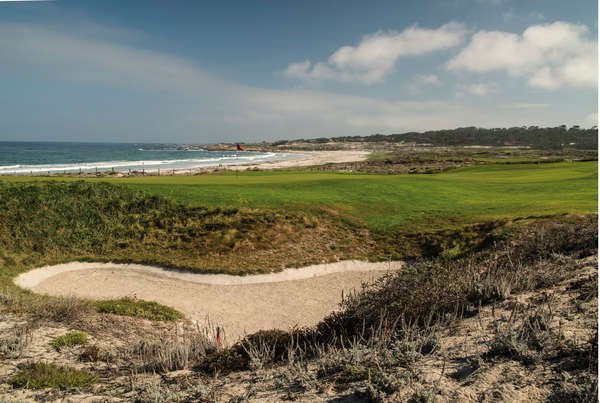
(408, 202)
(52, 222)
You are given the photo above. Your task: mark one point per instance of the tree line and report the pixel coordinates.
(533, 136)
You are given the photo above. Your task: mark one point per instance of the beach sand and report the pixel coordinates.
(305, 159)
(239, 304)
(310, 158)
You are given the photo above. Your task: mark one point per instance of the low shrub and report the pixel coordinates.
(69, 339)
(539, 255)
(42, 375)
(127, 306)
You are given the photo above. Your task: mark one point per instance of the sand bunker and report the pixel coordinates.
(240, 304)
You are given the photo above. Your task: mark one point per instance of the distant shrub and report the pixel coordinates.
(69, 339)
(451, 254)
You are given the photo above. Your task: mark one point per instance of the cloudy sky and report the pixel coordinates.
(176, 71)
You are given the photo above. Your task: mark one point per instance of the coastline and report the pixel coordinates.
(305, 159)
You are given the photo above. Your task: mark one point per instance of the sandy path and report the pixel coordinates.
(294, 297)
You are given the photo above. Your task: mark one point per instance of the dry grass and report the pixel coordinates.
(171, 353)
(427, 294)
(538, 256)
(14, 342)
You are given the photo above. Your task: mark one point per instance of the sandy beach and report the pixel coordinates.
(305, 159)
(239, 304)
(310, 158)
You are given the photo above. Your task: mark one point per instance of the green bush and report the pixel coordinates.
(45, 375)
(451, 254)
(138, 307)
(69, 339)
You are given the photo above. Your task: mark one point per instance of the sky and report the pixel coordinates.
(242, 71)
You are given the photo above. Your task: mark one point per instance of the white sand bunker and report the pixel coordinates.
(239, 304)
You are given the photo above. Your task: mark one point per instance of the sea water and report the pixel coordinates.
(56, 157)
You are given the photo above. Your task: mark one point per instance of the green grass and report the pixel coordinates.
(138, 308)
(407, 202)
(45, 375)
(69, 339)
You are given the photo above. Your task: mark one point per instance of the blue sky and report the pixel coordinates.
(175, 71)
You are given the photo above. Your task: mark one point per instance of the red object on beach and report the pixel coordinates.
(219, 335)
(239, 148)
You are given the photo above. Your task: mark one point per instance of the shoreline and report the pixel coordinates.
(305, 159)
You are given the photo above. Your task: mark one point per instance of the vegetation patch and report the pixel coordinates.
(69, 339)
(46, 223)
(406, 203)
(525, 136)
(42, 375)
(536, 257)
(140, 308)
(399, 312)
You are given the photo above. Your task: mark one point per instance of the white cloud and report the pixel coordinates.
(192, 99)
(549, 56)
(177, 99)
(376, 55)
(430, 79)
(298, 69)
(478, 89)
(349, 112)
(79, 58)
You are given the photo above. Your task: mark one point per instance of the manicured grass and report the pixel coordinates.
(406, 202)
(45, 375)
(138, 308)
(69, 339)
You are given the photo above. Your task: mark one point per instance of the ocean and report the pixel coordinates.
(57, 157)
